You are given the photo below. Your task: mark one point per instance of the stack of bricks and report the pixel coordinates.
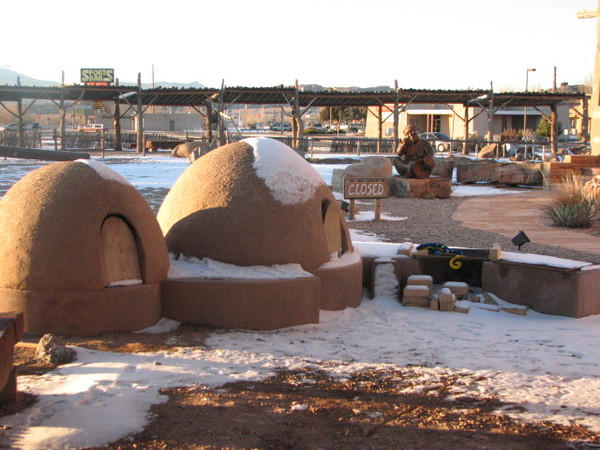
(459, 288)
(418, 291)
(450, 292)
(446, 300)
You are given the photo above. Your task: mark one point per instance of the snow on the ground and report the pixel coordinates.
(548, 366)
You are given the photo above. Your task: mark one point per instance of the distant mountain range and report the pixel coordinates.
(9, 77)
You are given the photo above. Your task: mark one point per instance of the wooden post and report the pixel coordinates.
(490, 132)
(553, 129)
(117, 143)
(585, 132)
(465, 150)
(221, 120)
(396, 114)
(380, 131)
(377, 210)
(208, 122)
(352, 206)
(63, 113)
(139, 119)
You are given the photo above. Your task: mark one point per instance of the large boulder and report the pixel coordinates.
(476, 171)
(489, 151)
(527, 174)
(186, 149)
(370, 167)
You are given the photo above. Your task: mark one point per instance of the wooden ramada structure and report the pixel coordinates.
(207, 101)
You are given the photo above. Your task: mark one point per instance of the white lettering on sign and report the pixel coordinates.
(97, 75)
(365, 188)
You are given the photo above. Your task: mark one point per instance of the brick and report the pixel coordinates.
(446, 296)
(519, 311)
(405, 248)
(416, 291)
(458, 288)
(422, 302)
(420, 280)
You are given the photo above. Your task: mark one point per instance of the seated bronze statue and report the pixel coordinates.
(415, 155)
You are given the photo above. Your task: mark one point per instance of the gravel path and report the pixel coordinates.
(431, 221)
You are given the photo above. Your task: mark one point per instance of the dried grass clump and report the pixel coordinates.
(574, 204)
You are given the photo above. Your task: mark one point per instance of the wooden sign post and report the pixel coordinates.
(365, 188)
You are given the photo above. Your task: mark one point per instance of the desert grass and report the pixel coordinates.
(574, 203)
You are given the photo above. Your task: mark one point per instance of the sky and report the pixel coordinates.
(428, 44)
(544, 367)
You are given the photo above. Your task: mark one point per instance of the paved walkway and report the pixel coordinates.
(508, 214)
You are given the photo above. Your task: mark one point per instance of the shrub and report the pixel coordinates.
(511, 135)
(572, 205)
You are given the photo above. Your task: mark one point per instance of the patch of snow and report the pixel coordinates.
(130, 282)
(471, 190)
(376, 249)
(346, 259)
(185, 267)
(164, 325)
(104, 171)
(369, 216)
(542, 260)
(291, 179)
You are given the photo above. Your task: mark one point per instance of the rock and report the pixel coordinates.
(529, 174)
(337, 180)
(443, 167)
(469, 171)
(428, 188)
(51, 352)
(185, 150)
(370, 167)
(488, 151)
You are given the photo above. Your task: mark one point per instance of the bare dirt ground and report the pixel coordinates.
(311, 409)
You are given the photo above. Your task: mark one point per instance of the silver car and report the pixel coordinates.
(439, 141)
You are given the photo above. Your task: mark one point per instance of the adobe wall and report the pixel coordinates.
(85, 313)
(245, 304)
(341, 287)
(571, 293)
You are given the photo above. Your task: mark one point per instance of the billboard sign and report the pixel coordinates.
(97, 77)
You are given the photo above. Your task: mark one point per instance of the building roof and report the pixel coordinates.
(283, 95)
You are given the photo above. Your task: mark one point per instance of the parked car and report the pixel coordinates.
(439, 141)
(9, 127)
(91, 128)
(15, 126)
(280, 127)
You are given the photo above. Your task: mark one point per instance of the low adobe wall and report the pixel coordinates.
(11, 330)
(341, 286)
(242, 303)
(557, 291)
(562, 292)
(86, 313)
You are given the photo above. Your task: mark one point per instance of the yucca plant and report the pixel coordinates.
(573, 205)
(571, 215)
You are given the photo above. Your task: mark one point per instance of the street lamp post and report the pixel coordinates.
(525, 113)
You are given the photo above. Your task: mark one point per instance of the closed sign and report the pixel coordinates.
(366, 188)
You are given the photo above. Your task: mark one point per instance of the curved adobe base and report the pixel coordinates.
(242, 303)
(341, 286)
(85, 313)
